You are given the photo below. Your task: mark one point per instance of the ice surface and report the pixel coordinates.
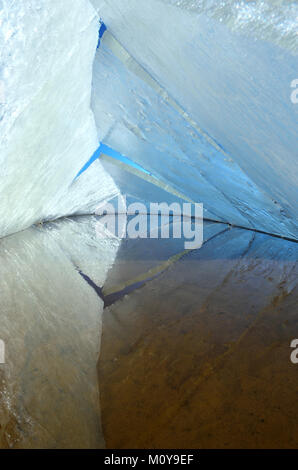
(202, 352)
(47, 129)
(51, 326)
(200, 95)
(271, 20)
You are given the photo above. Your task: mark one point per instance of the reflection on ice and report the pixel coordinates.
(177, 325)
(51, 325)
(199, 357)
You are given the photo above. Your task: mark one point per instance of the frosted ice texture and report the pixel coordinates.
(47, 129)
(198, 93)
(229, 66)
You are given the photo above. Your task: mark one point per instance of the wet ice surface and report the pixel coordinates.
(195, 347)
(195, 356)
(200, 356)
(51, 325)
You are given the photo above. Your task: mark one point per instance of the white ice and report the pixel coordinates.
(200, 95)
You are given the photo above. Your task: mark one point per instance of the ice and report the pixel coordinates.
(271, 20)
(166, 137)
(85, 193)
(221, 135)
(51, 322)
(47, 129)
(51, 326)
(200, 95)
(200, 355)
(197, 93)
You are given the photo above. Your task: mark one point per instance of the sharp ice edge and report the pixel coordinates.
(234, 84)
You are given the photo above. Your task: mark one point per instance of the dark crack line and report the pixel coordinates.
(110, 299)
(114, 297)
(92, 284)
(274, 235)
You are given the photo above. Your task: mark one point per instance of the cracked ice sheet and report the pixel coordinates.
(229, 80)
(51, 325)
(47, 129)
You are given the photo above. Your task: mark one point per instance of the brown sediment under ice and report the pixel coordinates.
(194, 352)
(200, 357)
